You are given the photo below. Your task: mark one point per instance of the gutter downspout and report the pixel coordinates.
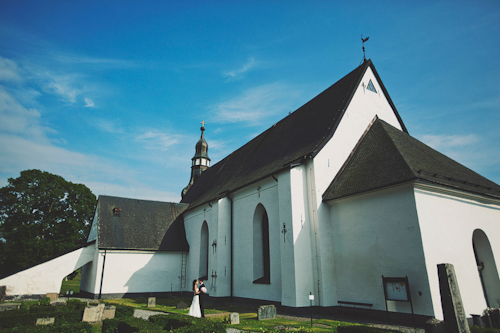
(102, 275)
(231, 226)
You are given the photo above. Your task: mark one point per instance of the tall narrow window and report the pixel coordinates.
(204, 250)
(261, 253)
(487, 268)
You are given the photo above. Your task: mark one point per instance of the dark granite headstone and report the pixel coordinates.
(267, 312)
(181, 306)
(455, 320)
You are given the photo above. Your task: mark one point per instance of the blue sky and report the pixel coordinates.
(111, 93)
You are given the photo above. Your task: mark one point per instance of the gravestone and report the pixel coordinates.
(109, 312)
(3, 292)
(434, 325)
(9, 306)
(52, 296)
(181, 306)
(455, 320)
(45, 321)
(267, 312)
(93, 314)
(151, 302)
(234, 318)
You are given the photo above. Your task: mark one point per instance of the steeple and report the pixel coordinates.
(200, 161)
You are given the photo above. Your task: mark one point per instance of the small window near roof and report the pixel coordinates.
(117, 211)
(371, 87)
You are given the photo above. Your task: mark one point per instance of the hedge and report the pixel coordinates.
(62, 315)
(363, 329)
(477, 329)
(128, 325)
(172, 321)
(69, 328)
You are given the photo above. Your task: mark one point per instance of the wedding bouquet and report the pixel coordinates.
(203, 289)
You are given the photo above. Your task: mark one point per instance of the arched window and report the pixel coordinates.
(261, 255)
(204, 251)
(486, 267)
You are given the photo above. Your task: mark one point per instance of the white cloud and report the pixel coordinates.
(238, 72)
(256, 104)
(9, 70)
(141, 191)
(154, 139)
(89, 103)
(16, 119)
(440, 142)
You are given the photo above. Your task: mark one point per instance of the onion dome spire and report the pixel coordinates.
(200, 161)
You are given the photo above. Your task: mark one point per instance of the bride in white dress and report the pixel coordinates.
(195, 310)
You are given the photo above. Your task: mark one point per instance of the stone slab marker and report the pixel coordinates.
(109, 312)
(45, 321)
(267, 312)
(151, 302)
(234, 318)
(451, 301)
(93, 314)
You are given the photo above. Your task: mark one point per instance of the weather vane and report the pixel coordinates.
(363, 40)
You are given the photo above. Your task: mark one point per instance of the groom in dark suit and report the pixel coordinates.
(201, 287)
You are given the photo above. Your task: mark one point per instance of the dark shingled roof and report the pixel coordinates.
(142, 225)
(300, 135)
(386, 156)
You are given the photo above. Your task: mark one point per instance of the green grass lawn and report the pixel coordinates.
(248, 315)
(73, 285)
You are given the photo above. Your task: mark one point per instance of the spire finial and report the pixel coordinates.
(363, 40)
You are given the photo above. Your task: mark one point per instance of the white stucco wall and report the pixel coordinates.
(447, 222)
(364, 106)
(244, 204)
(377, 234)
(47, 277)
(135, 272)
(193, 222)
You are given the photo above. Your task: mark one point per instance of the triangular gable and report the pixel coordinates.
(299, 136)
(386, 156)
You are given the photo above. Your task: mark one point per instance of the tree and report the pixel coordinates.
(41, 215)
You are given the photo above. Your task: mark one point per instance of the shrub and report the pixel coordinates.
(71, 328)
(127, 325)
(363, 329)
(75, 304)
(203, 326)
(123, 311)
(45, 301)
(110, 325)
(172, 321)
(477, 329)
(45, 308)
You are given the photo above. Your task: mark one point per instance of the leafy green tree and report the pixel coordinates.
(41, 216)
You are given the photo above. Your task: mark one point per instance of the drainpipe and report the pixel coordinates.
(231, 226)
(102, 275)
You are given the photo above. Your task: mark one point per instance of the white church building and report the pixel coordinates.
(336, 203)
